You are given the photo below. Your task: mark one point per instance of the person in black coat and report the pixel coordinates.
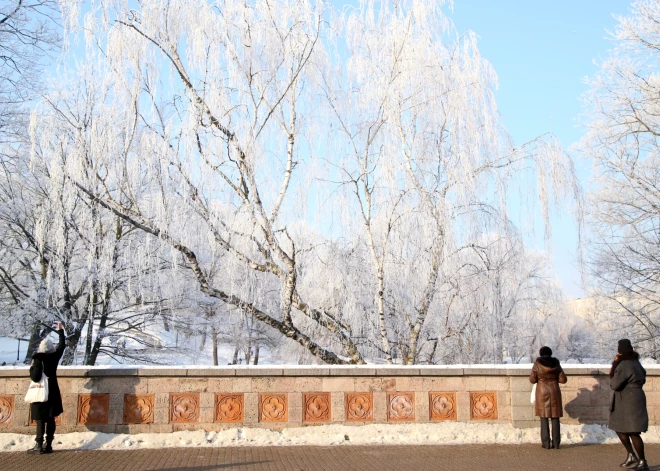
(46, 361)
(628, 414)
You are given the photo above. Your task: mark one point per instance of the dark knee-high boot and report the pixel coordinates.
(50, 434)
(37, 449)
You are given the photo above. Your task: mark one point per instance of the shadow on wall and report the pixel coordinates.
(590, 406)
(99, 411)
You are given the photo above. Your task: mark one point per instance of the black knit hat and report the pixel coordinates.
(625, 346)
(545, 352)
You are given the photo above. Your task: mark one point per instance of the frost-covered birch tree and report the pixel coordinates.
(29, 38)
(426, 155)
(64, 259)
(326, 173)
(622, 139)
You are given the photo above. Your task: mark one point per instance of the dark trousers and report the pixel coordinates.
(545, 433)
(49, 425)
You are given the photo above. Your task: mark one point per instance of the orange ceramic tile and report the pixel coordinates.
(229, 407)
(6, 410)
(442, 406)
(138, 408)
(483, 405)
(273, 408)
(400, 406)
(317, 407)
(184, 408)
(359, 406)
(93, 408)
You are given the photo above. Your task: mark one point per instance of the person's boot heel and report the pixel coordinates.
(49, 446)
(37, 449)
(630, 459)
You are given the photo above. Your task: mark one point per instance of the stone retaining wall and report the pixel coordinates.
(137, 400)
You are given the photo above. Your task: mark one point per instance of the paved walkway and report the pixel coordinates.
(342, 458)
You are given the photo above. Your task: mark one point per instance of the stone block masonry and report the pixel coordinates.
(152, 399)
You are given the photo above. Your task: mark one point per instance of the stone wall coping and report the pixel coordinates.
(313, 370)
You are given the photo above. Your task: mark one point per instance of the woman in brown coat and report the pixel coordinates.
(547, 374)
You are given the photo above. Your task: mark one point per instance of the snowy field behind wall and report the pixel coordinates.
(173, 348)
(190, 348)
(9, 351)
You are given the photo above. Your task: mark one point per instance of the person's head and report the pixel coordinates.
(46, 346)
(545, 352)
(625, 346)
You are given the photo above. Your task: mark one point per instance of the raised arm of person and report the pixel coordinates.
(59, 351)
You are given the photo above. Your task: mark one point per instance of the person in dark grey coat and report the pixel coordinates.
(46, 361)
(628, 415)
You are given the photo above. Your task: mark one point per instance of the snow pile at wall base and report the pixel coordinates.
(326, 435)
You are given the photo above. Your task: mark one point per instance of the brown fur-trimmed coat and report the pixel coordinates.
(547, 374)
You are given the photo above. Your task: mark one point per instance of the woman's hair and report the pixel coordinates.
(625, 346)
(545, 352)
(46, 346)
(626, 352)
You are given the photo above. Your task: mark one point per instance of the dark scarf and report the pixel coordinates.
(547, 361)
(631, 355)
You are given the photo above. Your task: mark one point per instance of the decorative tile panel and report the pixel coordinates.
(229, 407)
(138, 408)
(400, 406)
(273, 408)
(359, 406)
(317, 407)
(442, 406)
(184, 408)
(93, 409)
(6, 410)
(483, 405)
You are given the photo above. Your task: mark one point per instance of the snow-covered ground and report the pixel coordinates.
(446, 433)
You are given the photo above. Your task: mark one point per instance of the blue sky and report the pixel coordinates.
(542, 51)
